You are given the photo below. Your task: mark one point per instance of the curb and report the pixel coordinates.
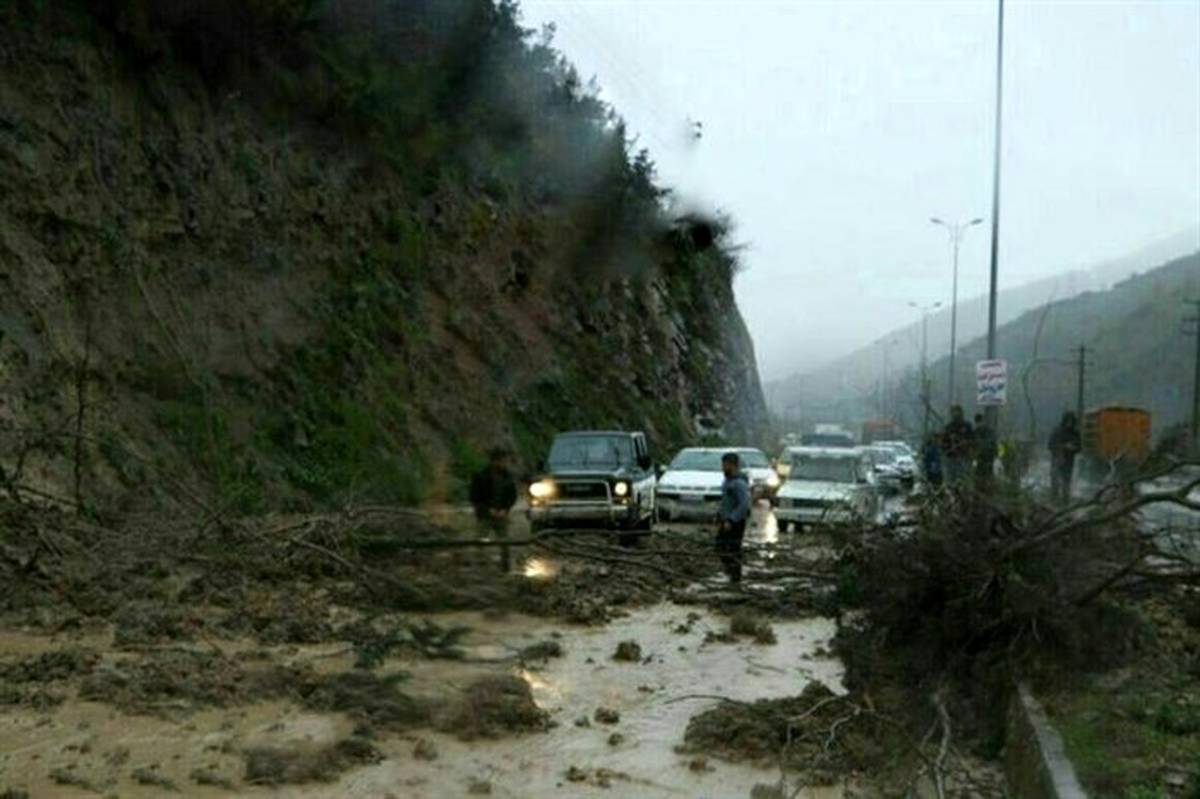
(1035, 760)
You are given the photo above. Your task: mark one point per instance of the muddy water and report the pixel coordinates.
(654, 698)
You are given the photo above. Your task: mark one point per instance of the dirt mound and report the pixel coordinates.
(371, 699)
(271, 766)
(494, 705)
(183, 679)
(819, 732)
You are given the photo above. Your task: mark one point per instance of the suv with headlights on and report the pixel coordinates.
(595, 478)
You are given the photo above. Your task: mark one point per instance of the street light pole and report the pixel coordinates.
(925, 310)
(956, 230)
(992, 411)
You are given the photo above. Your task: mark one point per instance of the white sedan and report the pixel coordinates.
(690, 488)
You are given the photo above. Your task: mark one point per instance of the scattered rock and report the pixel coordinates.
(606, 715)
(543, 650)
(583, 721)
(628, 651)
(576, 774)
(699, 764)
(424, 749)
(616, 739)
(480, 788)
(764, 791)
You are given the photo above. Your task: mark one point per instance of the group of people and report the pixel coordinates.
(959, 450)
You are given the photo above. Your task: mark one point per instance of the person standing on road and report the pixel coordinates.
(732, 517)
(931, 462)
(493, 493)
(986, 451)
(957, 438)
(1064, 446)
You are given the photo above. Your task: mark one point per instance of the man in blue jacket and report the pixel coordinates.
(732, 516)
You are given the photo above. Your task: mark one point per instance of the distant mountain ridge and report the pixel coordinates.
(851, 382)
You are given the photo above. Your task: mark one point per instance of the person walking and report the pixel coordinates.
(732, 516)
(986, 451)
(1064, 446)
(931, 463)
(493, 493)
(957, 439)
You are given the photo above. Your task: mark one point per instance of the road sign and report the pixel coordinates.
(991, 382)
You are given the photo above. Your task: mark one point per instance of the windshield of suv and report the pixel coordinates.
(832, 470)
(590, 452)
(697, 460)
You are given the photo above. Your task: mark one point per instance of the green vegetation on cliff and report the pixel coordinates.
(297, 253)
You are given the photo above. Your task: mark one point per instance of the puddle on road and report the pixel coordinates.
(89, 738)
(651, 698)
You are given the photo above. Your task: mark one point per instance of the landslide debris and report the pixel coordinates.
(818, 733)
(301, 764)
(495, 705)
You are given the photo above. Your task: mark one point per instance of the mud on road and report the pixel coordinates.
(329, 657)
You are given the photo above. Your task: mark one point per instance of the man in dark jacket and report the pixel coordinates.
(732, 516)
(931, 462)
(957, 440)
(1064, 446)
(493, 493)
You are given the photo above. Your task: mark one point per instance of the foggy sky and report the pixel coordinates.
(832, 131)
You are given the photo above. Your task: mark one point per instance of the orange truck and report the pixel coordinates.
(1116, 437)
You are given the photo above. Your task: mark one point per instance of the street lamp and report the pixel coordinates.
(956, 230)
(925, 311)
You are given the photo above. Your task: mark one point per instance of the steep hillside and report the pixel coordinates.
(270, 256)
(1138, 353)
(861, 370)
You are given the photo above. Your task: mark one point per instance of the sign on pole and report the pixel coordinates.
(991, 382)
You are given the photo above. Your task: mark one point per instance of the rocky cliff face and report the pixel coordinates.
(209, 293)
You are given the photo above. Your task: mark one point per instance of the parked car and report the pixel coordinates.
(828, 439)
(825, 485)
(764, 481)
(595, 478)
(906, 460)
(690, 488)
(891, 473)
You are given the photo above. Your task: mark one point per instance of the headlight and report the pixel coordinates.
(773, 480)
(783, 469)
(621, 489)
(542, 489)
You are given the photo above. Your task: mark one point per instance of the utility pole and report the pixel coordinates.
(1195, 376)
(1081, 364)
(993, 413)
